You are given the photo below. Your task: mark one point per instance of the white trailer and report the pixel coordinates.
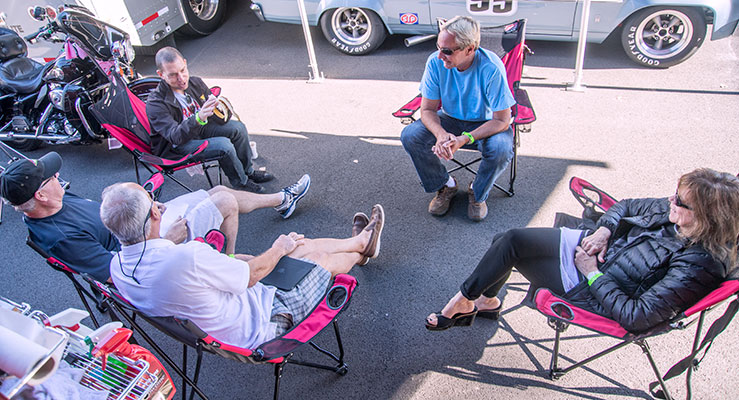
(148, 22)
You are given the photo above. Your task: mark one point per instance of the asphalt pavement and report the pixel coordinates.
(632, 132)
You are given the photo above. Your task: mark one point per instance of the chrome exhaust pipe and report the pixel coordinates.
(31, 136)
(414, 40)
(257, 10)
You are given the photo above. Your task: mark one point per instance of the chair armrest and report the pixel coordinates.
(553, 306)
(151, 159)
(323, 314)
(604, 201)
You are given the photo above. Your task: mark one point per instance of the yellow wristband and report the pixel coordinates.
(200, 121)
(594, 277)
(469, 135)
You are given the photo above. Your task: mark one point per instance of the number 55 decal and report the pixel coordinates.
(492, 7)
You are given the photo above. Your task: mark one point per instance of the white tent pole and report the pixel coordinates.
(577, 85)
(315, 76)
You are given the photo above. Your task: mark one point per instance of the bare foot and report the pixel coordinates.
(457, 304)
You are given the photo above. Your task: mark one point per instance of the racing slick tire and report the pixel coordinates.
(354, 31)
(660, 37)
(203, 16)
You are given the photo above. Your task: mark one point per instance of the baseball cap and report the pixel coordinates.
(20, 181)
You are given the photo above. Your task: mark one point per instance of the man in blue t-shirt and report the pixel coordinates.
(469, 84)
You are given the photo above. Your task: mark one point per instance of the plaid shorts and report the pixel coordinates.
(293, 306)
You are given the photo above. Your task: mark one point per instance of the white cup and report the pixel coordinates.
(253, 146)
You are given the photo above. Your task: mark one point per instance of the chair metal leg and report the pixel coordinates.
(184, 370)
(340, 368)
(197, 369)
(80, 292)
(696, 343)
(171, 176)
(136, 168)
(278, 374)
(645, 348)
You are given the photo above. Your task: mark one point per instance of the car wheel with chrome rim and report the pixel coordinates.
(354, 31)
(661, 37)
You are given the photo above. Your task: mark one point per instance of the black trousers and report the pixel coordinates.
(533, 251)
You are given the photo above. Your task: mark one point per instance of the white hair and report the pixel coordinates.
(466, 31)
(124, 211)
(26, 207)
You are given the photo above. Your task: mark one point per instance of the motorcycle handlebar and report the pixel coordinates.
(33, 36)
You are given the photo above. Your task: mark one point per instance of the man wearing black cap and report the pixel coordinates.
(66, 225)
(69, 227)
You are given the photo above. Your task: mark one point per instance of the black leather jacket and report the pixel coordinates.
(650, 274)
(165, 116)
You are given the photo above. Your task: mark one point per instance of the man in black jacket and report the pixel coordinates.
(178, 111)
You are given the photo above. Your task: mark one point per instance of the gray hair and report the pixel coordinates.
(466, 31)
(167, 55)
(26, 207)
(124, 211)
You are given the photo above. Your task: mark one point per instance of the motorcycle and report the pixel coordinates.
(50, 103)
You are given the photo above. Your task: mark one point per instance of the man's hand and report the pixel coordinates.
(584, 262)
(442, 148)
(287, 243)
(597, 243)
(177, 233)
(206, 110)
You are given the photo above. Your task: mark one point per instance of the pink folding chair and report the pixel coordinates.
(123, 115)
(509, 43)
(561, 314)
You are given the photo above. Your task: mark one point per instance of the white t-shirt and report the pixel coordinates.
(195, 282)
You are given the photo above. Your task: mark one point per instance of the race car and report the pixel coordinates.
(654, 33)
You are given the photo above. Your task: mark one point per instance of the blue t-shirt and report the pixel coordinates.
(470, 95)
(76, 236)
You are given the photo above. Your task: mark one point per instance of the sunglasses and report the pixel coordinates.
(47, 180)
(447, 51)
(679, 202)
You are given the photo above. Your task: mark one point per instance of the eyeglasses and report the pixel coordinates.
(447, 51)
(679, 202)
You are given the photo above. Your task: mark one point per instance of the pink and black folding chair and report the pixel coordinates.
(84, 293)
(561, 314)
(278, 351)
(509, 43)
(123, 115)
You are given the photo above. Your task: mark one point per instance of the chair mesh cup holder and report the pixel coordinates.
(336, 297)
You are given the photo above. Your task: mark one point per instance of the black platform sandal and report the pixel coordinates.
(459, 319)
(493, 314)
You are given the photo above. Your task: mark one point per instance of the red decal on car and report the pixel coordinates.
(409, 19)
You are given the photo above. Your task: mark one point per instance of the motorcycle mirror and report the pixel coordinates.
(37, 13)
(51, 12)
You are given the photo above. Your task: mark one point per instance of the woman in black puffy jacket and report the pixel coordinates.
(648, 260)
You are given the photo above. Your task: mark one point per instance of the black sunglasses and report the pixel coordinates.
(680, 203)
(447, 51)
(47, 180)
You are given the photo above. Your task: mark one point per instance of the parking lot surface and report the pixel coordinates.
(633, 132)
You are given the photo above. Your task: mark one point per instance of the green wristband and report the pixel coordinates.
(469, 135)
(232, 255)
(594, 277)
(200, 121)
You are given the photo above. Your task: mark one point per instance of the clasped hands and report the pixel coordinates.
(446, 146)
(591, 250)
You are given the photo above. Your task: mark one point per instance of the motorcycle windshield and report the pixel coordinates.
(92, 34)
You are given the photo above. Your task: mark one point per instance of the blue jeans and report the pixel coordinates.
(229, 143)
(497, 152)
